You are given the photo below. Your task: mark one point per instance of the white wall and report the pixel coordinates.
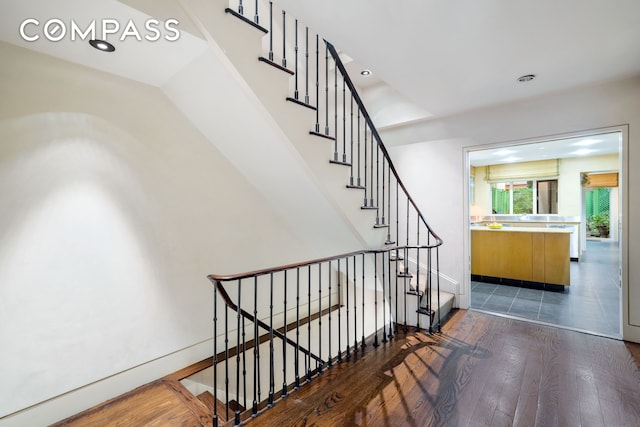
(430, 160)
(569, 187)
(114, 209)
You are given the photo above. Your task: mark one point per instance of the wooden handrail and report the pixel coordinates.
(240, 276)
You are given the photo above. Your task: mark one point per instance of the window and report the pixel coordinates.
(517, 197)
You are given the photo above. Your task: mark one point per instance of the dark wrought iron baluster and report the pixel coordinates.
(284, 39)
(355, 305)
(329, 343)
(344, 124)
(297, 353)
(326, 90)
(377, 205)
(365, 165)
(308, 355)
(319, 364)
(389, 241)
(351, 144)
(418, 296)
(256, 350)
(226, 360)
(397, 249)
(256, 16)
(272, 384)
(384, 301)
(240, 8)
(335, 110)
(363, 311)
(384, 164)
(438, 286)
(397, 216)
(406, 268)
(215, 351)
(317, 83)
(375, 299)
(244, 366)
(284, 342)
(339, 313)
(392, 315)
(270, 31)
(434, 305)
(359, 149)
(306, 67)
(295, 92)
(238, 326)
(372, 147)
(348, 352)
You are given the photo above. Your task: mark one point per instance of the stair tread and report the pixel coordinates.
(210, 402)
(338, 162)
(322, 135)
(275, 65)
(246, 20)
(302, 103)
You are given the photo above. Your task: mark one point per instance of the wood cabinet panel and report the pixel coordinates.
(556, 265)
(537, 258)
(516, 255)
(521, 255)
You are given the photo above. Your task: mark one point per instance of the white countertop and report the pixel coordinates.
(522, 229)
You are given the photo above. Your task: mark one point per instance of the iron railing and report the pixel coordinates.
(319, 313)
(292, 322)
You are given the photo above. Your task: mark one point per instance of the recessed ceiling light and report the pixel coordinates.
(511, 159)
(583, 152)
(526, 78)
(587, 142)
(504, 152)
(102, 45)
(365, 72)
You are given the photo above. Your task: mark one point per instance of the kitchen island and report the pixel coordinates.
(524, 256)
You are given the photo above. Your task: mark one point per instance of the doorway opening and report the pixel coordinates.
(563, 189)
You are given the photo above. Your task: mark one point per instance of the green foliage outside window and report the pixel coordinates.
(523, 200)
(522, 197)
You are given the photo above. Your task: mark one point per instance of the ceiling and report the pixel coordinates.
(429, 58)
(447, 57)
(582, 146)
(151, 63)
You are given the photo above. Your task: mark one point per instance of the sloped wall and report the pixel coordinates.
(114, 209)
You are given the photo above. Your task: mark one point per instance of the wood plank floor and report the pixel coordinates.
(482, 370)
(160, 403)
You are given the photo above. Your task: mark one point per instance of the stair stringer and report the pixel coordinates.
(241, 45)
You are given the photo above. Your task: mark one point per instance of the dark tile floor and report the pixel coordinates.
(591, 303)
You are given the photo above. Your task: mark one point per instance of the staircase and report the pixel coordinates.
(280, 327)
(315, 120)
(393, 284)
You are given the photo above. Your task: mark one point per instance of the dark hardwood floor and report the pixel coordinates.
(482, 370)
